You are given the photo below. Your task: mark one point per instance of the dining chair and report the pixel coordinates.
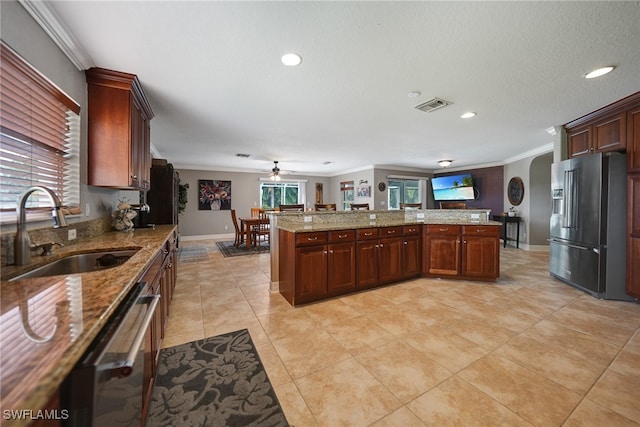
(262, 231)
(359, 206)
(255, 212)
(325, 207)
(453, 205)
(239, 236)
(292, 208)
(410, 205)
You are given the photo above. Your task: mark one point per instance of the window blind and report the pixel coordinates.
(39, 136)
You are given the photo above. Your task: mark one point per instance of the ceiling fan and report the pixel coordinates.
(275, 172)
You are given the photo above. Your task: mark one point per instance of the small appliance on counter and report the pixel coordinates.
(142, 218)
(588, 224)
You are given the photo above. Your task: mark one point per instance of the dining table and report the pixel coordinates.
(247, 224)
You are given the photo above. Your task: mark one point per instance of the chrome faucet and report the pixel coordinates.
(22, 242)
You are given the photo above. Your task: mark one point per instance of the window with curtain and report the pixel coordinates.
(274, 194)
(403, 191)
(39, 137)
(347, 194)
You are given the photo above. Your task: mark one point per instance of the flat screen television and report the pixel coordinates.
(453, 187)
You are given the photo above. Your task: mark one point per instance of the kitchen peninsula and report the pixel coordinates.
(318, 255)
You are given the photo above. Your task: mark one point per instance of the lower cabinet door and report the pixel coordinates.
(390, 260)
(411, 256)
(366, 263)
(442, 255)
(311, 273)
(341, 273)
(480, 255)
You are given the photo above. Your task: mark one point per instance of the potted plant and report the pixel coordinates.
(512, 211)
(182, 197)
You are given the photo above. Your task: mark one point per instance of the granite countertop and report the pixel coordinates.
(309, 227)
(47, 323)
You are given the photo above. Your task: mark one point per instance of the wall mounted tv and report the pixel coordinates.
(453, 187)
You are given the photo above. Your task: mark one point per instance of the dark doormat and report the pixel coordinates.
(217, 381)
(228, 250)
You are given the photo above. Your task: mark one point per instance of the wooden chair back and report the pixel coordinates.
(325, 207)
(292, 208)
(453, 205)
(239, 236)
(255, 212)
(359, 206)
(410, 205)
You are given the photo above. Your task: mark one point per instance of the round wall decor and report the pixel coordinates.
(515, 191)
(382, 186)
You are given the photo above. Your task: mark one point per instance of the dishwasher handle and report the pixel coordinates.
(123, 368)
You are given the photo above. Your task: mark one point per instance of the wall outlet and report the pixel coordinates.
(420, 215)
(475, 216)
(372, 216)
(71, 234)
(226, 227)
(308, 218)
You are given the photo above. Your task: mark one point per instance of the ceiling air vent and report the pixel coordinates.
(432, 105)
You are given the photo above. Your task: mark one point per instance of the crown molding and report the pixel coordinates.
(544, 149)
(47, 18)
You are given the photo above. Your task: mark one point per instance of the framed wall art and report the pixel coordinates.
(214, 195)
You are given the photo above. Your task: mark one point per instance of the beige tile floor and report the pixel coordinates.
(527, 350)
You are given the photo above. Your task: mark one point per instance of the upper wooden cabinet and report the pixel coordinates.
(633, 139)
(119, 151)
(602, 130)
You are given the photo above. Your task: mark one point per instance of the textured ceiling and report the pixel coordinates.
(213, 76)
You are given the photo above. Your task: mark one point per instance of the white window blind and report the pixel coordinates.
(39, 136)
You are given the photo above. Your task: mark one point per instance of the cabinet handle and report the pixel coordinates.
(406, 243)
(368, 234)
(381, 245)
(444, 229)
(391, 231)
(331, 251)
(324, 252)
(481, 230)
(311, 239)
(342, 236)
(164, 251)
(134, 176)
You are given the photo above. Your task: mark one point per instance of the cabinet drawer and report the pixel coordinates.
(409, 230)
(449, 230)
(367, 233)
(340, 236)
(312, 238)
(480, 230)
(391, 232)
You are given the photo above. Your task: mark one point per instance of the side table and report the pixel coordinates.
(505, 219)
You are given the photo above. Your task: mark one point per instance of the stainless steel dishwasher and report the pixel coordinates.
(106, 387)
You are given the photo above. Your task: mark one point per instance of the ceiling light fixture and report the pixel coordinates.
(414, 94)
(445, 163)
(275, 172)
(599, 72)
(291, 59)
(468, 115)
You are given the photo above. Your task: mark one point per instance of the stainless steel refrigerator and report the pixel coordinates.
(588, 224)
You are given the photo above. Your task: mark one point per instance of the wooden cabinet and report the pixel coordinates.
(616, 127)
(468, 252)
(442, 256)
(162, 197)
(480, 251)
(119, 132)
(605, 134)
(378, 256)
(411, 251)
(633, 235)
(323, 265)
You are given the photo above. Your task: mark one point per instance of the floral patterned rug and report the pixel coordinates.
(218, 381)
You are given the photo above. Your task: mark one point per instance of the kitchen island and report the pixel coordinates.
(47, 323)
(318, 255)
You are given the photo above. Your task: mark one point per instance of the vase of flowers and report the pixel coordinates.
(123, 216)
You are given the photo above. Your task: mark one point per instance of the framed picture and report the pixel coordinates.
(363, 191)
(214, 195)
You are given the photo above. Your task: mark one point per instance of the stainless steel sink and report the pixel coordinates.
(80, 263)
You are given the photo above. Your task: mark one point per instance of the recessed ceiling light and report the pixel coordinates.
(468, 115)
(414, 94)
(599, 72)
(291, 59)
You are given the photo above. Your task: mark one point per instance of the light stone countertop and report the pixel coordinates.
(75, 307)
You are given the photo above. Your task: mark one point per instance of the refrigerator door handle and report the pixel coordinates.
(571, 193)
(582, 248)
